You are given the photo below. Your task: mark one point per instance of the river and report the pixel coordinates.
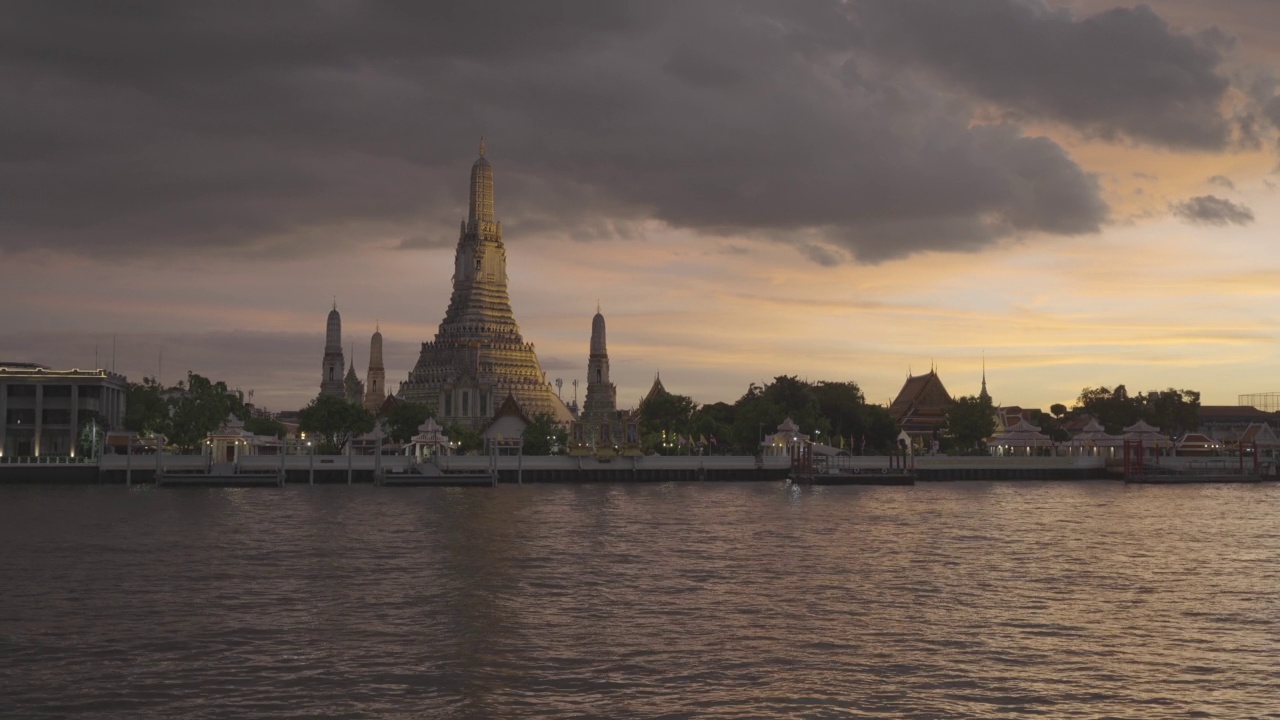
(715, 600)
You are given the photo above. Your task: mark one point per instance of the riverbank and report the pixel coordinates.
(366, 469)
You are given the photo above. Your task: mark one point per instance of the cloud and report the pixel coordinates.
(426, 242)
(238, 128)
(1120, 73)
(1210, 210)
(1222, 181)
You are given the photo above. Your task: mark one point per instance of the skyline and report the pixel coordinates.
(776, 189)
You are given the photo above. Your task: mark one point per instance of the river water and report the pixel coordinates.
(1062, 600)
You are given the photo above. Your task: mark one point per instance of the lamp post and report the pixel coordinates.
(311, 464)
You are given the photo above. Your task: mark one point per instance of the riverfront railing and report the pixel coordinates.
(46, 460)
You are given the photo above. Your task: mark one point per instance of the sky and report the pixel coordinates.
(1069, 193)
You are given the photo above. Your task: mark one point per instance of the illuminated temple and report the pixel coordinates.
(478, 357)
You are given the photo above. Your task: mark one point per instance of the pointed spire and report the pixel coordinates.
(984, 394)
(480, 209)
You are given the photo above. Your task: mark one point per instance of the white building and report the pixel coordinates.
(43, 409)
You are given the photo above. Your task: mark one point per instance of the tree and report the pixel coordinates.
(881, 431)
(715, 421)
(146, 411)
(1173, 411)
(92, 435)
(797, 400)
(666, 411)
(466, 440)
(1114, 409)
(265, 426)
(203, 408)
(544, 436)
(403, 421)
(970, 419)
(841, 403)
(331, 420)
(1058, 410)
(755, 415)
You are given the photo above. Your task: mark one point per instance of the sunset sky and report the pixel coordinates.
(1081, 191)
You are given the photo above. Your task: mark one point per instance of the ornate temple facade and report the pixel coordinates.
(375, 392)
(331, 383)
(478, 356)
(920, 410)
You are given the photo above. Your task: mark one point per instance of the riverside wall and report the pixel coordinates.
(342, 469)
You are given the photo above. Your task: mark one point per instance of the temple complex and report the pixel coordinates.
(331, 384)
(478, 357)
(374, 389)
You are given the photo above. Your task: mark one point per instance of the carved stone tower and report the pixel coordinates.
(331, 377)
(374, 391)
(478, 356)
(601, 404)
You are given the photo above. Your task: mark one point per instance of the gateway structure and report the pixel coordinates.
(478, 357)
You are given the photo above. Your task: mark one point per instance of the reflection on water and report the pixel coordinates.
(706, 600)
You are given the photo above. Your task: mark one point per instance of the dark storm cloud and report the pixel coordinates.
(1211, 210)
(1222, 181)
(1124, 72)
(261, 127)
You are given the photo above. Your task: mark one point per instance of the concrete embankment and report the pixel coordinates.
(946, 468)
(341, 470)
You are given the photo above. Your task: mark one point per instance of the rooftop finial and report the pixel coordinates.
(335, 302)
(481, 146)
(597, 306)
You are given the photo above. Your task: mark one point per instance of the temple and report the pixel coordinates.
(601, 429)
(920, 410)
(601, 404)
(375, 392)
(331, 381)
(478, 357)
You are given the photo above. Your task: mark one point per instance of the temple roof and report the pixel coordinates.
(920, 392)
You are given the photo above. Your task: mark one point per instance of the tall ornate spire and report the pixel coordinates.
(984, 395)
(480, 209)
(375, 379)
(331, 368)
(601, 404)
(478, 356)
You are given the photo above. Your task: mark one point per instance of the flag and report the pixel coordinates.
(713, 439)
(841, 441)
(681, 439)
(702, 439)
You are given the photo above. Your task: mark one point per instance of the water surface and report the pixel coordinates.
(1063, 600)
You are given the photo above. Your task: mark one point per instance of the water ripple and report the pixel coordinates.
(982, 600)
